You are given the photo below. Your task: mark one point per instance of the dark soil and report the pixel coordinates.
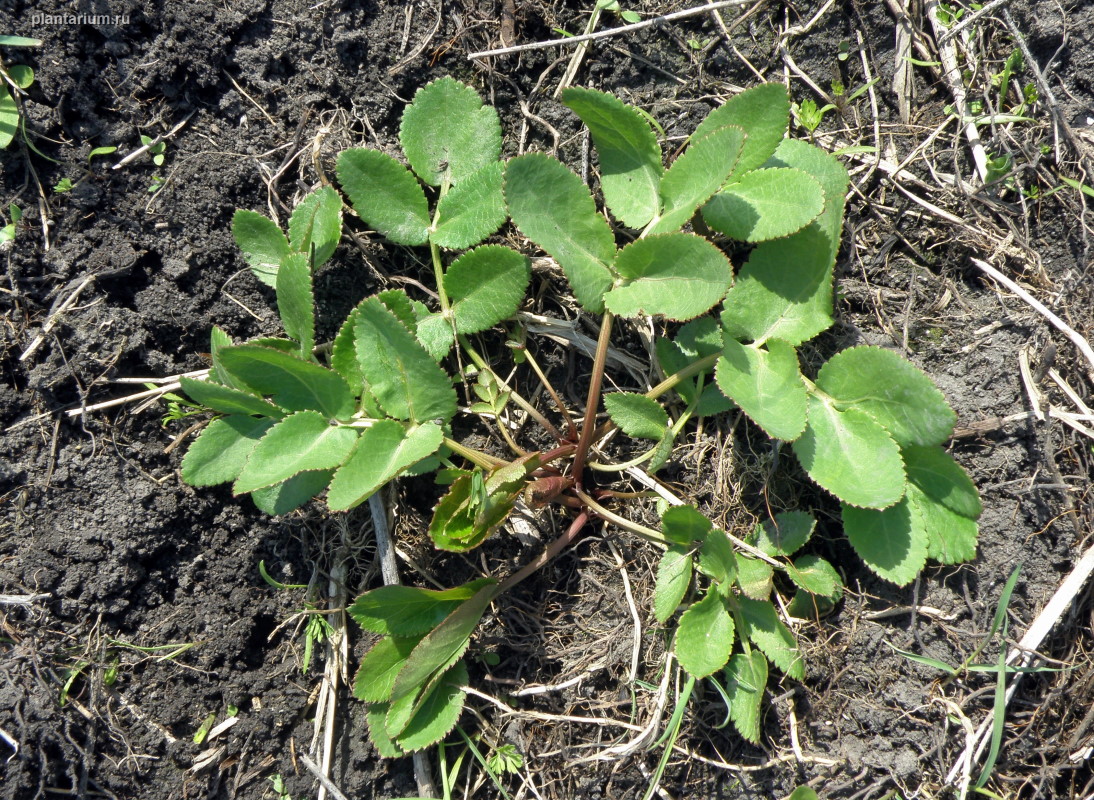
(109, 565)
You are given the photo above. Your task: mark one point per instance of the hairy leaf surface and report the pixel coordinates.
(227, 400)
(763, 112)
(746, 678)
(262, 242)
(381, 453)
(892, 542)
(281, 498)
(437, 714)
(673, 579)
(295, 301)
(705, 636)
(220, 452)
(294, 384)
(486, 286)
(815, 575)
(947, 502)
(765, 204)
(385, 194)
(376, 676)
(472, 210)
(407, 611)
(786, 535)
(766, 384)
(637, 415)
(684, 525)
(317, 222)
(696, 175)
(303, 442)
(767, 632)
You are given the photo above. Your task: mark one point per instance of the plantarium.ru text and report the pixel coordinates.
(296, 420)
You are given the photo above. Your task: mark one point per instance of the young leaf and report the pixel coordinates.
(637, 415)
(407, 611)
(220, 452)
(227, 400)
(218, 339)
(695, 340)
(851, 455)
(892, 542)
(767, 632)
(376, 676)
(385, 194)
(399, 372)
(304, 442)
(765, 204)
(437, 714)
(696, 175)
(704, 638)
(892, 391)
(448, 134)
(630, 158)
(766, 384)
(832, 176)
(947, 502)
(472, 210)
(463, 520)
(746, 678)
(814, 574)
(684, 525)
(381, 453)
(788, 534)
(294, 384)
(295, 301)
(673, 579)
(289, 495)
(552, 207)
(262, 242)
(675, 275)
(317, 222)
(763, 112)
(717, 559)
(486, 286)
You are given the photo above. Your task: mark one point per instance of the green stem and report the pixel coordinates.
(593, 401)
(474, 456)
(648, 534)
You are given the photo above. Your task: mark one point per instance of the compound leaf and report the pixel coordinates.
(385, 194)
(765, 204)
(472, 210)
(407, 611)
(296, 302)
(448, 134)
(399, 372)
(786, 535)
(552, 207)
(630, 158)
(293, 383)
(291, 494)
(851, 455)
(815, 575)
(262, 242)
(381, 453)
(303, 442)
(705, 636)
(675, 275)
(220, 452)
(317, 222)
(892, 542)
(763, 112)
(486, 286)
(227, 400)
(946, 500)
(376, 676)
(890, 389)
(637, 415)
(746, 679)
(766, 384)
(767, 632)
(673, 579)
(696, 175)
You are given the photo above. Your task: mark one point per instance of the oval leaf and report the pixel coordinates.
(438, 713)
(486, 286)
(765, 204)
(815, 575)
(766, 384)
(696, 175)
(763, 112)
(317, 222)
(262, 242)
(385, 194)
(892, 542)
(376, 675)
(673, 579)
(304, 442)
(227, 400)
(472, 210)
(705, 636)
(947, 502)
(407, 610)
(746, 678)
(637, 415)
(294, 384)
(786, 535)
(291, 494)
(381, 453)
(219, 454)
(295, 301)
(767, 632)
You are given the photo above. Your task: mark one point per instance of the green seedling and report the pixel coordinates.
(15, 79)
(277, 784)
(317, 629)
(7, 233)
(157, 151)
(809, 116)
(156, 184)
(505, 758)
(67, 185)
(63, 185)
(178, 407)
(295, 421)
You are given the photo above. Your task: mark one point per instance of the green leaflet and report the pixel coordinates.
(717, 559)
(705, 636)
(815, 575)
(947, 502)
(766, 384)
(291, 494)
(552, 207)
(218, 339)
(317, 222)
(407, 611)
(767, 632)
(399, 372)
(675, 275)
(437, 714)
(440, 649)
(9, 117)
(630, 158)
(385, 194)
(696, 175)
(227, 400)
(891, 390)
(763, 112)
(304, 442)
(788, 534)
(471, 511)
(472, 210)
(376, 718)
(746, 678)
(295, 301)
(486, 285)
(892, 542)
(220, 452)
(851, 455)
(637, 415)
(448, 134)
(755, 577)
(684, 525)
(673, 579)
(381, 453)
(435, 333)
(765, 204)
(696, 339)
(294, 384)
(262, 242)
(375, 677)
(831, 175)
